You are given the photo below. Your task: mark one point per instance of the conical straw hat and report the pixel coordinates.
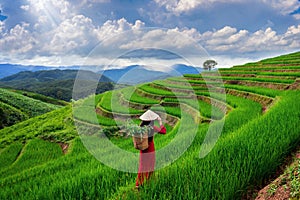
(149, 115)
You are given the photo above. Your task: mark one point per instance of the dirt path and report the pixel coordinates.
(287, 185)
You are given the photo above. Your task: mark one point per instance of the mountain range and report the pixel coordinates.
(56, 83)
(11, 69)
(136, 74)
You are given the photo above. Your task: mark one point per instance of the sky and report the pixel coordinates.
(156, 33)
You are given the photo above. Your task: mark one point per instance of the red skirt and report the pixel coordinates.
(147, 164)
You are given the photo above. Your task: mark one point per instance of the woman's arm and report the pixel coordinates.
(162, 129)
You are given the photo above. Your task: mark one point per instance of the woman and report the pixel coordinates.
(147, 156)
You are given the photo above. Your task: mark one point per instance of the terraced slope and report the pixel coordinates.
(16, 106)
(256, 106)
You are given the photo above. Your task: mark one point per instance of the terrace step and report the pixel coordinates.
(171, 104)
(277, 86)
(263, 100)
(157, 96)
(228, 74)
(182, 85)
(295, 85)
(216, 103)
(172, 89)
(198, 118)
(138, 106)
(119, 116)
(169, 119)
(149, 95)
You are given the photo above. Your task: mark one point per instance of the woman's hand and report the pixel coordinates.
(159, 121)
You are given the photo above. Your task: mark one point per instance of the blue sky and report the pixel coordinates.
(117, 33)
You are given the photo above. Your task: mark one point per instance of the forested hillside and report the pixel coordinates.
(17, 106)
(53, 83)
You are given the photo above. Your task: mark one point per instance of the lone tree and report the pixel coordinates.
(209, 64)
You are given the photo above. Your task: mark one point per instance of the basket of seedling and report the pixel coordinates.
(139, 135)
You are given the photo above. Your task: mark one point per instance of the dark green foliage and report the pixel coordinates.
(57, 84)
(42, 98)
(16, 107)
(10, 115)
(110, 131)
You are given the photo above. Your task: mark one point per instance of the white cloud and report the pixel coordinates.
(114, 27)
(182, 42)
(25, 7)
(99, 1)
(50, 12)
(297, 16)
(177, 7)
(180, 6)
(71, 35)
(229, 39)
(17, 41)
(285, 7)
(2, 27)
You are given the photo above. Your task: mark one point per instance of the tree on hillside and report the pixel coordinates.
(209, 64)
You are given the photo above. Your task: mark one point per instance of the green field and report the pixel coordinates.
(42, 156)
(17, 106)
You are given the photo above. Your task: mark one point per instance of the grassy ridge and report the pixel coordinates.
(57, 125)
(16, 106)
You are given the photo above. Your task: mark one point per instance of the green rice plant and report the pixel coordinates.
(273, 80)
(130, 94)
(179, 85)
(79, 175)
(9, 115)
(111, 102)
(245, 156)
(257, 90)
(283, 74)
(59, 128)
(31, 107)
(41, 97)
(174, 111)
(89, 115)
(84, 110)
(36, 152)
(260, 68)
(281, 61)
(193, 76)
(10, 154)
(105, 121)
(206, 109)
(204, 82)
(157, 91)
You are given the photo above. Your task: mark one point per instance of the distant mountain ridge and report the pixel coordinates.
(59, 82)
(57, 74)
(132, 74)
(55, 83)
(136, 74)
(11, 69)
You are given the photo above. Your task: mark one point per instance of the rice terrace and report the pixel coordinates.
(43, 157)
